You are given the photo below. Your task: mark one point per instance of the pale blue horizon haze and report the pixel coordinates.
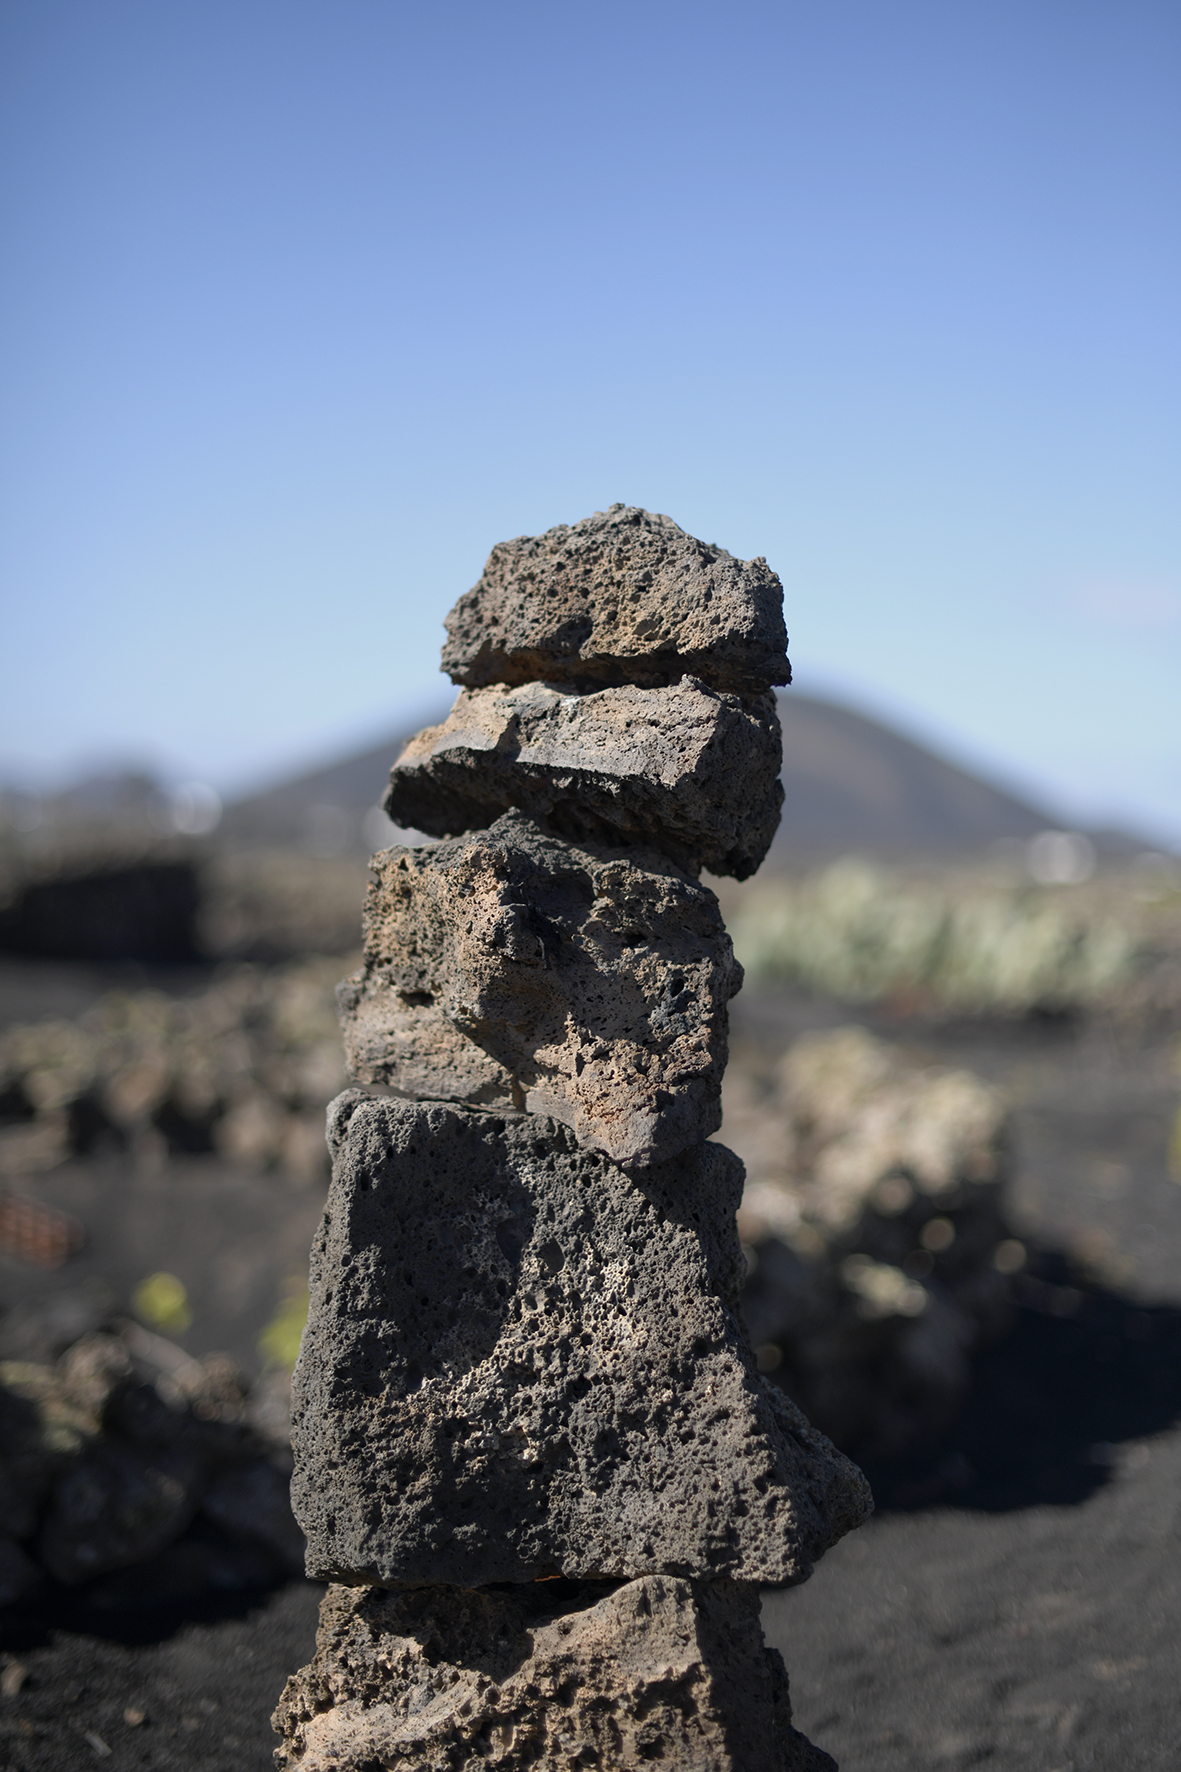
(304, 306)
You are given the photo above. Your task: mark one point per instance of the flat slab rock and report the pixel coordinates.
(545, 1677)
(522, 1362)
(687, 769)
(513, 969)
(625, 596)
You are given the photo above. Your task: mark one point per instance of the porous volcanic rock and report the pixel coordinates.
(687, 769)
(544, 1676)
(522, 1362)
(511, 969)
(624, 596)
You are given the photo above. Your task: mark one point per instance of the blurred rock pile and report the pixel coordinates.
(874, 1224)
(243, 1067)
(130, 1468)
(276, 904)
(118, 895)
(103, 899)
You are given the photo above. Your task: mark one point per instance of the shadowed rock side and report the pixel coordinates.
(684, 769)
(512, 970)
(546, 1678)
(624, 596)
(521, 1362)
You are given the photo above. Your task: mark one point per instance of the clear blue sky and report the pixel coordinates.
(303, 306)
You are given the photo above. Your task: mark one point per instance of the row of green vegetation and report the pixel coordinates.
(970, 942)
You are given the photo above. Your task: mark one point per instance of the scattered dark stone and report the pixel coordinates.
(253, 1503)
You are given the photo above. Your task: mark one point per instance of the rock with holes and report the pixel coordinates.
(624, 596)
(521, 1361)
(690, 770)
(513, 969)
(545, 1677)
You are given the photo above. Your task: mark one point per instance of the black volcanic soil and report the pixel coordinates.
(1016, 1603)
(1039, 1639)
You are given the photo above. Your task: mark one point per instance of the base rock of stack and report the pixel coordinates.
(625, 596)
(544, 1677)
(685, 769)
(511, 969)
(521, 1361)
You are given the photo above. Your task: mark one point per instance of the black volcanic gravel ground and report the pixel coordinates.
(1016, 1603)
(152, 1690)
(1042, 1639)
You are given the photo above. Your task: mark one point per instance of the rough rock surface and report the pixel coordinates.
(521, 1362)
(545, 1676)
(687, 769)
(624, 596)
(510, 969)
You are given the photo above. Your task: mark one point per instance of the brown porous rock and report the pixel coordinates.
(624, 596)
(685, 769)
(543, 1676)
(510, 969)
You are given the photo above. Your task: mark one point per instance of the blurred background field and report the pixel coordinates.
(169, 1037)
(955, 1081)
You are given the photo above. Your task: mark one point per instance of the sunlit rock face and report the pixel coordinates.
(685, 769)
(512, 969)
(531, 1441)
(624, 596)
(542, 1676)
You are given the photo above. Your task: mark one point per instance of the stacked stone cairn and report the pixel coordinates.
(533, 1454)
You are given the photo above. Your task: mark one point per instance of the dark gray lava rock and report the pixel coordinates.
(19, 1575)
(624, 596)
(118, 1505)
(514, 970)
(521, 1362)
(692, 771)
(253, 1503)
(546, 1676)
(107, 1455)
